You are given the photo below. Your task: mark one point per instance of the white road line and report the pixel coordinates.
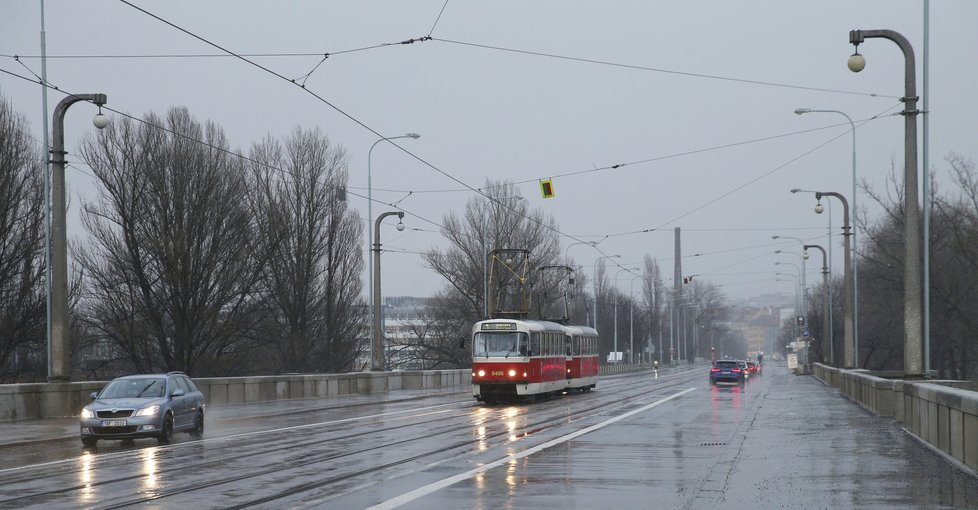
(441, 484)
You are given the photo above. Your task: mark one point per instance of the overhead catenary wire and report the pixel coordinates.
(479, 190)
(341, 111)
(210, 146)
(657, 70)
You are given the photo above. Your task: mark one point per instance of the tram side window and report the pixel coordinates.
(569, 345)
(534, 344)
(499, 344)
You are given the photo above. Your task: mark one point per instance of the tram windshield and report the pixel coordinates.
(501, 344)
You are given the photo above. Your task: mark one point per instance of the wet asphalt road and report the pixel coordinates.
(781, 441)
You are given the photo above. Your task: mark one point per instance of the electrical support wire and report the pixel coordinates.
(647, 160)
(318, 97)
(769, 172)
(437, 19)
(210, 146)
(657, 70)
(339, 110)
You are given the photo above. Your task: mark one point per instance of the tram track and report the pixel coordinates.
(438, 424)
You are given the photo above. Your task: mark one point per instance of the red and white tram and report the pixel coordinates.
(582, 359)
(520, 358)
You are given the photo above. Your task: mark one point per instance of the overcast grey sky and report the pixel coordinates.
(694, 99)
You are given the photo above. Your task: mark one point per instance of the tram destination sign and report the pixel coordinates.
(499, 326)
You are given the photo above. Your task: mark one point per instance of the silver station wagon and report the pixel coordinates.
(137, 406)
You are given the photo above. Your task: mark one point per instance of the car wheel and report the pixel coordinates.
(198, 430)
(89, 441)
(166, 434)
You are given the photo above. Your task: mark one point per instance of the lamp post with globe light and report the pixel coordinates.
(850, 357)
(377, 342)
(370, 215)
(59, 345)
(826, 319)
(913, 287)
(855, 259)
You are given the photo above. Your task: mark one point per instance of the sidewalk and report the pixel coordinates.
(809, 446)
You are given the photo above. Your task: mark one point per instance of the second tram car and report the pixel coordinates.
(523, 358)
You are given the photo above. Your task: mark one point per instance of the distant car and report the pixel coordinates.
(138, 406)
(753, 368)
(745, 368)
(727, 371)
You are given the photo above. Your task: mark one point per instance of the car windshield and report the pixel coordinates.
(500, 344)
(148, 387)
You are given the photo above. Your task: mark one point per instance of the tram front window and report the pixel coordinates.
(500, 344)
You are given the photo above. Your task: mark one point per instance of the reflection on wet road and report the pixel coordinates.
(671, 441)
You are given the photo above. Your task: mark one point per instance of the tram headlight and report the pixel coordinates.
(482, 373)
(512, 372)
(568, 370)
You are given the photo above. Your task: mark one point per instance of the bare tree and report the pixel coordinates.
(495, 221)
(434, 340)
(316, 313)
(490, 222)
(173, 273)
(22, 303)
(654, 293)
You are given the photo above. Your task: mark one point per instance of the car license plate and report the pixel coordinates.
(114, 423)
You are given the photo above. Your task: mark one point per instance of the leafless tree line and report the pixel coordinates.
(198, 259)
(22, 299)
(203, 260)
(953, 280)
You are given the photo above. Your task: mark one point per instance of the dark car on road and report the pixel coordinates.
(137, 406)
(729, 371)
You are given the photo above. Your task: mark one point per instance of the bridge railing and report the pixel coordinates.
(943, 414)
(53, 400)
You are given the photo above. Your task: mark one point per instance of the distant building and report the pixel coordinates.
(400, 321)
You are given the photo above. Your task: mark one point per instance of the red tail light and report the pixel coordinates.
(714, 370)
(737, 370)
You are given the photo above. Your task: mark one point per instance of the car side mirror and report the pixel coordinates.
(178, 392)
(94, 395)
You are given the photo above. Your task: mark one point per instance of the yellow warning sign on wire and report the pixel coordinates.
(547, 188)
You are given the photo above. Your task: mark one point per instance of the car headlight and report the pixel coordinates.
(87, 413)
(148, 411)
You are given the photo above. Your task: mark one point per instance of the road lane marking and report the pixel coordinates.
(446, 482)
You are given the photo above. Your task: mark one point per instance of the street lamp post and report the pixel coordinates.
(850, 359)
(912, 284)
(800, 279)
(628, 269)
(855, 251)
(370, 235)
(804, 285)
(594, 322)
(826, 321)
(377, 342)
(59, 348)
